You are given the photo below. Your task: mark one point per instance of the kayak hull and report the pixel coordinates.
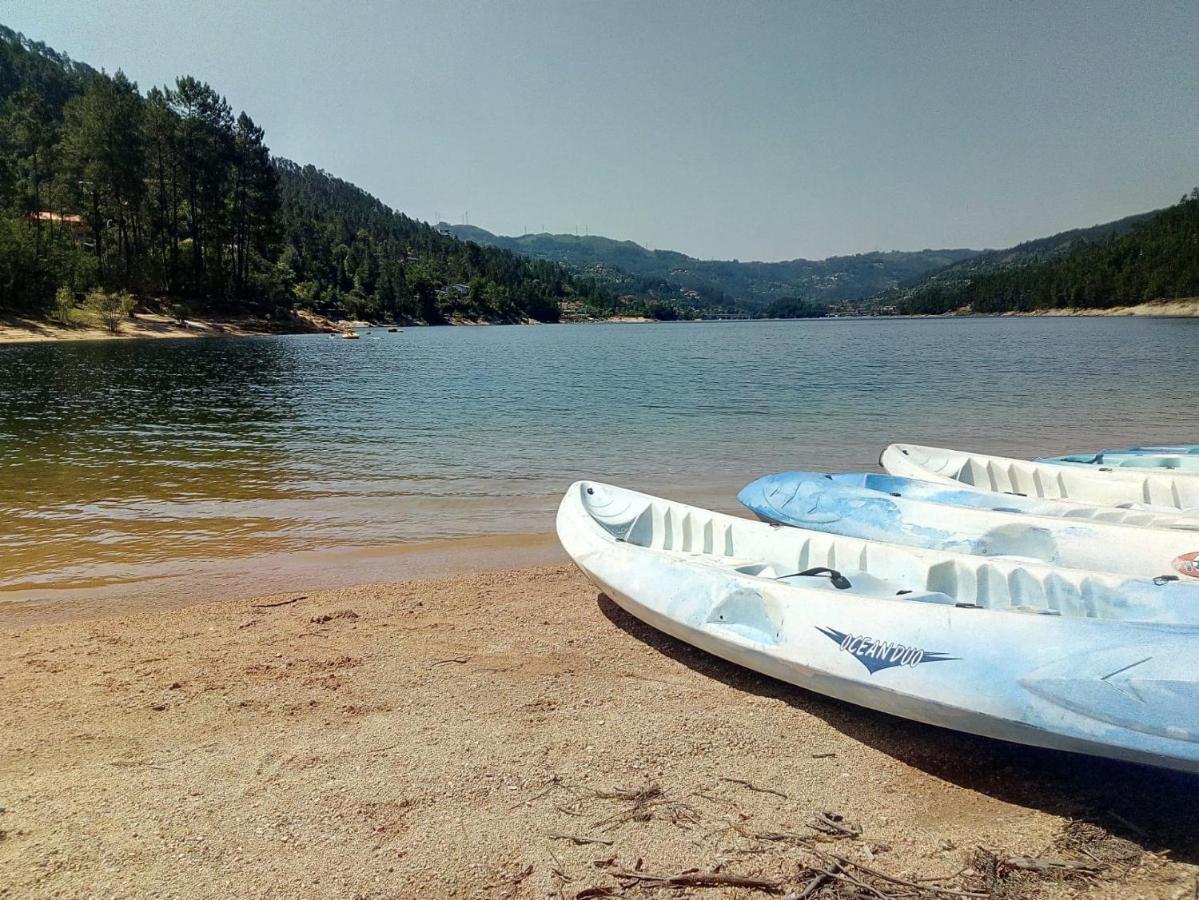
(1027, 679)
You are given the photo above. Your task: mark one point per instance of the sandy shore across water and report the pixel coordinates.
(509, 732)
(15, 330)
(151, 325)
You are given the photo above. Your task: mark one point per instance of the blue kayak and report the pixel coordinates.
(1175, 457)
(903, 511)
(977, 498)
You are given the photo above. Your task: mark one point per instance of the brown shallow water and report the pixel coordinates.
(219, 463)
(303, 571)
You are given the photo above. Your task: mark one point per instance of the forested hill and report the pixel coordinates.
(1149, 256)
(344, 250)
(624, 264)
(169, 196)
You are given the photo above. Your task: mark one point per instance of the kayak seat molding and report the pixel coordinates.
(881, 570)
(1166, 488)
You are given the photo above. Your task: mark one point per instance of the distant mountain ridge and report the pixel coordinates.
(1029, 252)
(1139, 258)
(628, 267)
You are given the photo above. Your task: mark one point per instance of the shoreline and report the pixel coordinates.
(228, 579)
(508, 733)
(18, 330)
(1186, 307)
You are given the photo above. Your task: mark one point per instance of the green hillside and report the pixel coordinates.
(627, 267)
(1149, 256)
(169, 196)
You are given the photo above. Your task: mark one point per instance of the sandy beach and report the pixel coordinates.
(1184, 307)
(15, 330)
(514, 734)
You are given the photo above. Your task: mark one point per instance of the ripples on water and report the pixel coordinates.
(121, 459)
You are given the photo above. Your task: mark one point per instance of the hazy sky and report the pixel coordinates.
(750, 130)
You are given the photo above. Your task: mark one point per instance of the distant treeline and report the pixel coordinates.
(1156, 259)
(171, 196)
(794, 308)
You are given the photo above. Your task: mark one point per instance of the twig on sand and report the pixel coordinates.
(754, 787)
(278, 603)
(844, 864)
(580, 839)
(700, 879)
(633, 795)
(894, 879)
(818, 882)
(453, 659)
(834, 824)
(521, 875)
(1048, 864)
(646, 803)
(555, 783)
(558, 871)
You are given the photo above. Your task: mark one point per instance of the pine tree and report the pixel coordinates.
(205, 151)
(255, 199)
(104, 161)
(31, 134)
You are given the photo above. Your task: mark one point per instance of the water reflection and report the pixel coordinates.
(121, 460)
(118, 453)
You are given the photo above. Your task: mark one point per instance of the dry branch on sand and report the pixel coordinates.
(810, 870)
(287, 602)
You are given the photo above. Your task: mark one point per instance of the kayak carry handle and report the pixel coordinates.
(840, 582)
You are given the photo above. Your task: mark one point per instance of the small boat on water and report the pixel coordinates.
(350, 335)
(1022, 652)
(849, 507)
(1161, 491)
(1181, 458)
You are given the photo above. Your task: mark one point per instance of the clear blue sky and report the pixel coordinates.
(738, 129)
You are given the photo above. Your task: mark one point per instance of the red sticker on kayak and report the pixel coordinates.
(1188, 564)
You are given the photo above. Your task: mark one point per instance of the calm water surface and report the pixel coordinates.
(124, 461)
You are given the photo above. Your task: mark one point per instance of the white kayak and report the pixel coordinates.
(1022, 652)
(1147, 489)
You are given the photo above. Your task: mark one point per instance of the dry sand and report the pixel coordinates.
(1185, 307)
(512, 734)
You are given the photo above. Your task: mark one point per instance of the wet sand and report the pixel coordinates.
(513, 734)
(177, 584)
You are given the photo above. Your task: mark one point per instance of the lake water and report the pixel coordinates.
(128, 461)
